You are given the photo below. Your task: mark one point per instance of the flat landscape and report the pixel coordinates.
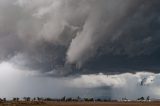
(79, 52)
(80, 104)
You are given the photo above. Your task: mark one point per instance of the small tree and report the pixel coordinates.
(148, 98)
(4, 99)
(63, 99)
(141, 98)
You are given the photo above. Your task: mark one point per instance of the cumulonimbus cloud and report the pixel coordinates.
(60, 36)
(115, 81)
(123, 85)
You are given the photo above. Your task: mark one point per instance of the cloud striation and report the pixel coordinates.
(80, 37)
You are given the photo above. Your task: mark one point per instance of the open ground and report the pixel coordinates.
(80, 104)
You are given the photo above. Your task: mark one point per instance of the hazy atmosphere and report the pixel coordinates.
(87, 48)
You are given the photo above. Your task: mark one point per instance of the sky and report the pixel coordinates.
(87, 48)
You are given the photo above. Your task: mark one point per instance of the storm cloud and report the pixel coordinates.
(65, 37)
(18, 83)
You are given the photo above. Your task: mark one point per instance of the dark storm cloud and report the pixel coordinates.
(60, 37)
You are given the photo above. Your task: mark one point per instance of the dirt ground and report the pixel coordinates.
(81, 104)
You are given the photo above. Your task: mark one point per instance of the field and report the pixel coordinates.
(80, 104)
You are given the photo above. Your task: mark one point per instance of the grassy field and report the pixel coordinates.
(81, 104)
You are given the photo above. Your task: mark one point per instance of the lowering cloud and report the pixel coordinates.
(65, 37)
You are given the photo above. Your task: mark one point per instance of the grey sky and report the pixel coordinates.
(73, 40)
